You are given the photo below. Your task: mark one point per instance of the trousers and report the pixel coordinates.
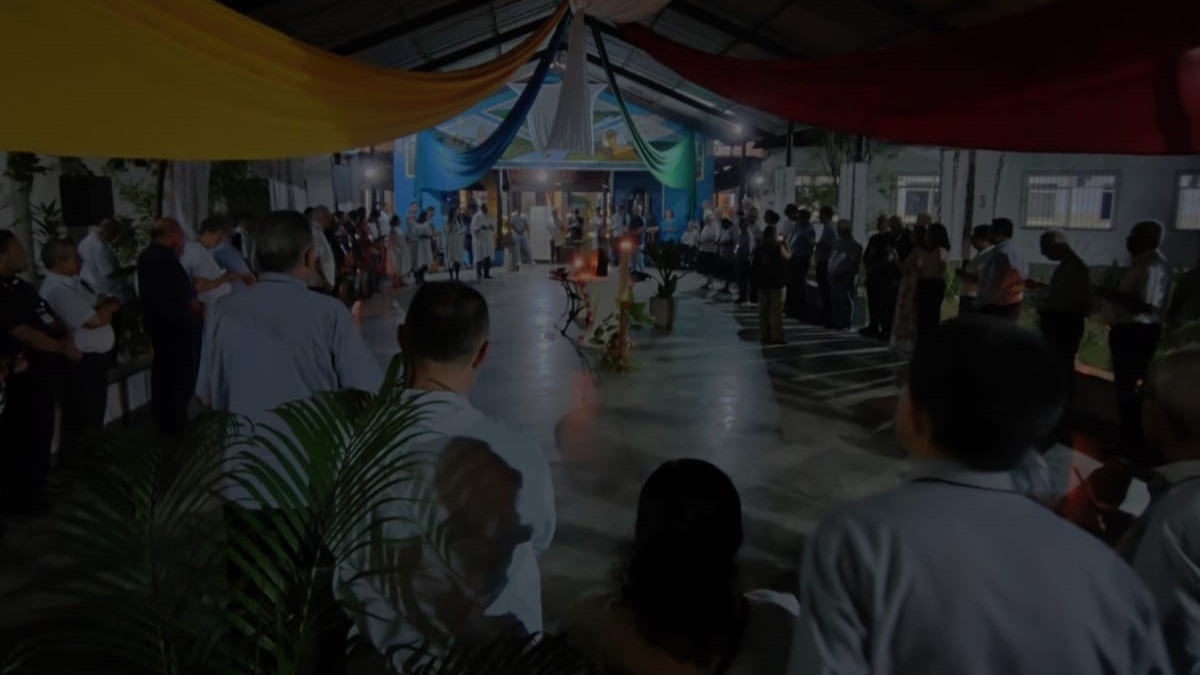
(172, 379)
(840, 307)
(797, 286)
(770, 314)
(1133, 346)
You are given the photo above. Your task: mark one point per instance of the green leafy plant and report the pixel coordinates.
(226, 179)
(21, 168)
(667, 258)
(150, 570)
(47, 224)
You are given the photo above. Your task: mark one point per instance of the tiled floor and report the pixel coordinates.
(799, 427)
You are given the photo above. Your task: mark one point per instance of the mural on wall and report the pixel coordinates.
(614, 147)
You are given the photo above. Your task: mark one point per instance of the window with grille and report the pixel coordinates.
(1070, 201)
(1187, 212)
(814, 190)
(917, 194)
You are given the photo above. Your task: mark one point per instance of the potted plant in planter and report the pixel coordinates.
(667, 258)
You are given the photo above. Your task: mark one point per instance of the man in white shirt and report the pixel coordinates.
(492, 483)
(211, 282)
(981, 241)
(1002, 275)
(100, 266)
(1163, 545)
(89, 317)
(958, 570)
(1137, 305)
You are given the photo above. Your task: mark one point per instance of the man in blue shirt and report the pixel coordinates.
(957, 570)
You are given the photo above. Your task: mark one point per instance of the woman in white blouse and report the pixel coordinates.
(931, 279)
(677, 608)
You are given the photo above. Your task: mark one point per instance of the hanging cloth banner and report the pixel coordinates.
(1120, 76)
(573, 130)
(440, 167)
(674, 167)
(195, 80)
(544, 113)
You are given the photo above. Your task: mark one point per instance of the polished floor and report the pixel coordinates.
(799, 428)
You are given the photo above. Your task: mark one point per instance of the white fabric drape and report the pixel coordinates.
(572, 130)
(189, 194)
(541, 116)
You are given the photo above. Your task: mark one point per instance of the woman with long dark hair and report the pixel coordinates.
(931, 279)
(677, 607)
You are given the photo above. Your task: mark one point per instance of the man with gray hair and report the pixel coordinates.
(1163, 546)
(277, 341)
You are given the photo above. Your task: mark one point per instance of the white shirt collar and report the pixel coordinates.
(949, 471)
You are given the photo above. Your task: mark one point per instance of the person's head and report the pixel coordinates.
(308, 213)
(896, 224)
(726, 224)
(924, 220)
(445, 334)
(323, 217)
(374, 216)
(1170, 406)
(881, 223)
(937, 237)
(790, 211)
(168, 232)
(1146, 236)
(826, 215)
(803, 216)
(845, 229)
(979, 391)
(483, 208)
(283, 243)
(423, 217)
(395, 221)
(1002, 230)
(679, 582)
(13, 259)
(981, 237)
(61, 257)
(109, 229)
(771, 218)
(212, 230)
(1054, 245)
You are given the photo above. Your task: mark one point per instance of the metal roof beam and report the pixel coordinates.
(403, 28)
(473, 49)
(732, 29)
(901, 9)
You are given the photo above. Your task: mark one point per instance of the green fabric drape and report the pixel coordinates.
(674, 167)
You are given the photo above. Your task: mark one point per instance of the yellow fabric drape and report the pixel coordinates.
(192, 79)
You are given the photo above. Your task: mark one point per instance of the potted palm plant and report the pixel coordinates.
(667, 258)
(147, 569)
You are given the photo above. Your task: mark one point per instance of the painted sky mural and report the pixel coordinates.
(614, 149)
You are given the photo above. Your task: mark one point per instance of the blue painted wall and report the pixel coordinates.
(405, 186)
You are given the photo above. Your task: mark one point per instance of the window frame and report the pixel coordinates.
(1178, 201)
(1116, 189)
(934, 202)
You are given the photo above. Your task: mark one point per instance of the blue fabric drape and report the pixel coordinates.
(440, 167)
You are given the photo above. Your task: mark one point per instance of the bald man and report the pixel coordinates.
(1138, 306)
(1164, 544)
(172, 316)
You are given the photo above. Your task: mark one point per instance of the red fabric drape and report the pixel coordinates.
(1094, 76)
